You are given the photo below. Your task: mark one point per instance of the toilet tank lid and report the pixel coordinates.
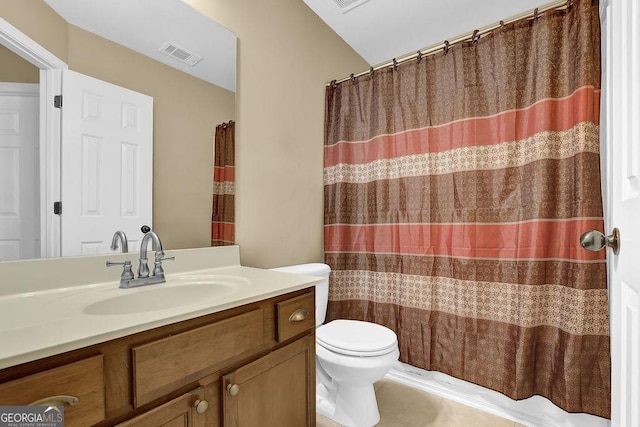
(311, 269)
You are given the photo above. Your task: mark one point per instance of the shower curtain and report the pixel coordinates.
(456, 187)
(223, 210)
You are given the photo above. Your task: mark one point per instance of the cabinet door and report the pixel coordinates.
(277, 390)
(184, 411)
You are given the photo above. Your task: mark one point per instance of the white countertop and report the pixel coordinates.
(50, 321)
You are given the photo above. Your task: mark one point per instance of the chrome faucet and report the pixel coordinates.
(128, 279)
(143, 267)
(124, 243)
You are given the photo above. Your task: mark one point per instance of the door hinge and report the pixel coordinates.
(57, 101)
(57, 208)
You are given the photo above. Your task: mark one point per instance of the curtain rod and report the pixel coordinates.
(472, 36)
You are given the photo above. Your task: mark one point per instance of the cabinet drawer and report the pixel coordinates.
(164, 365)
(295, 316)
(83, 379)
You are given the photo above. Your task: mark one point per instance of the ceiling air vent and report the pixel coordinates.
(347, 5)
(180, 53)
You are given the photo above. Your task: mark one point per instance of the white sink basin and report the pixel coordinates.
(160, 298)
(199, 291)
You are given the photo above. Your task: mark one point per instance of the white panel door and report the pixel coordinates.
(19, 182)
(621, 36)
(107, 160)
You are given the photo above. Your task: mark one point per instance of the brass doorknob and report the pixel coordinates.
(201, 406)
(233, 389)
(594, 240)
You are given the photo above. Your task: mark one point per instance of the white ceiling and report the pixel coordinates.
(380, 30)
(145, 25)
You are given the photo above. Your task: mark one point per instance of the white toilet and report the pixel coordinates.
(350, 356)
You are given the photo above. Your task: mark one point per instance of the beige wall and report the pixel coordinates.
(36, 19)
(186, 111)
(286, 54)
(15, 69)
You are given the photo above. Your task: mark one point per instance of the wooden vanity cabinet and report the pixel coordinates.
(252, 365)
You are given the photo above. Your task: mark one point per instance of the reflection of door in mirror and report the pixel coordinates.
(19, 158)
(19, 183)
(107, 155)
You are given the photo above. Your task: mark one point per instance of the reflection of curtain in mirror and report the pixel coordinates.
(223, 214)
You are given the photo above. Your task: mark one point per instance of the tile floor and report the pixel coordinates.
(404, 406)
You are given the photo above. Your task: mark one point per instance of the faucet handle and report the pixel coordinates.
(112, 263)
(157, 265)
(127, 272)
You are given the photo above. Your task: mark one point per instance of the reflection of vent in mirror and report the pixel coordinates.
(347, 5)
(180, 53)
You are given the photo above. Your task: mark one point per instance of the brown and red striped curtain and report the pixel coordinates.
(223, 213)
(456, 188)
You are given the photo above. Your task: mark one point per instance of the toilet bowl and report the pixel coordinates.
(351, 356)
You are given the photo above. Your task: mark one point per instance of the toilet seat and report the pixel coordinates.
(356, 338)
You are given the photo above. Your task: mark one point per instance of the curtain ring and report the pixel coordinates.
(353, 79)
(476, 36)
(569, 5)
(371, 71)
(501, 24)
(334, 84)
(395, 64)
(446, 47)
(419, 56)
(535, 14)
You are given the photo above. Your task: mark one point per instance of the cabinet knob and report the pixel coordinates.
(61, 400)
(233, 389)
(201, 406)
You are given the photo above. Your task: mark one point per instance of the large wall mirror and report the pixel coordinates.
(146, 46)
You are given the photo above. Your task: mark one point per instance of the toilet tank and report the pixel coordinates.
(322, 288)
